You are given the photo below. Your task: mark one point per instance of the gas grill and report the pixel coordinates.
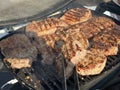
(45, 78)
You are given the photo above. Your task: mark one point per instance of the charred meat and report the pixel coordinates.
(18, 49)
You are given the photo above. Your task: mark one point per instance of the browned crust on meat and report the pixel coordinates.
(116, 33)
(74, 41)
(50, 39)
(103, 23)
(45, 27)
(93, 63)
(76, 15)
(94, 26)
(106, 43)
(17, 45)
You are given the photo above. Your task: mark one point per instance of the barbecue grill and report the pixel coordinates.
(45, 78)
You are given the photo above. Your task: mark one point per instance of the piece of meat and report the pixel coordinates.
(73, 42)
(46, 46)
(94, 26)
(18, 46)
(76, 15)
(116, 33)
(104, 23)
(51, 39)
(88, 28)
(92, 63)
(44, 27)
(106, 43)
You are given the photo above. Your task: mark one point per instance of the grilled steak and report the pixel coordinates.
(18, 47)
(93, 63)
(88, 28)
(106, 43)
(74, 42)
(47, 26)
(94, 26)
(76, 15)
(104, 23)
(116, 33)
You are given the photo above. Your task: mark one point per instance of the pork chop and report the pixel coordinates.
(18, 47)
(92, 64)
(106, 43)
(76, 15)
(44, 27)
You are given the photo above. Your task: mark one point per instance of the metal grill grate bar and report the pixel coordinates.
(48, 77)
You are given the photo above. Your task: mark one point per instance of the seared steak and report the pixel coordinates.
(106, 43)
(94, 26)
(93, 63)
(76, 15)
(88, 28)
(74, 42)
(104, 23)
(116, 33)
(18, 47)
(47, 26)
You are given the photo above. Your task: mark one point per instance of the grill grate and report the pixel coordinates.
(47, 76)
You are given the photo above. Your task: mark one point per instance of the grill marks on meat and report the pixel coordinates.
(44, 37)
(92, 63)
(50, 39)
(76, 15)
(18, 47)
(47, 26)
(74, 41)
(88, 28)
(103, 23)
(116, 33)
(106, 43)
(94, 26)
